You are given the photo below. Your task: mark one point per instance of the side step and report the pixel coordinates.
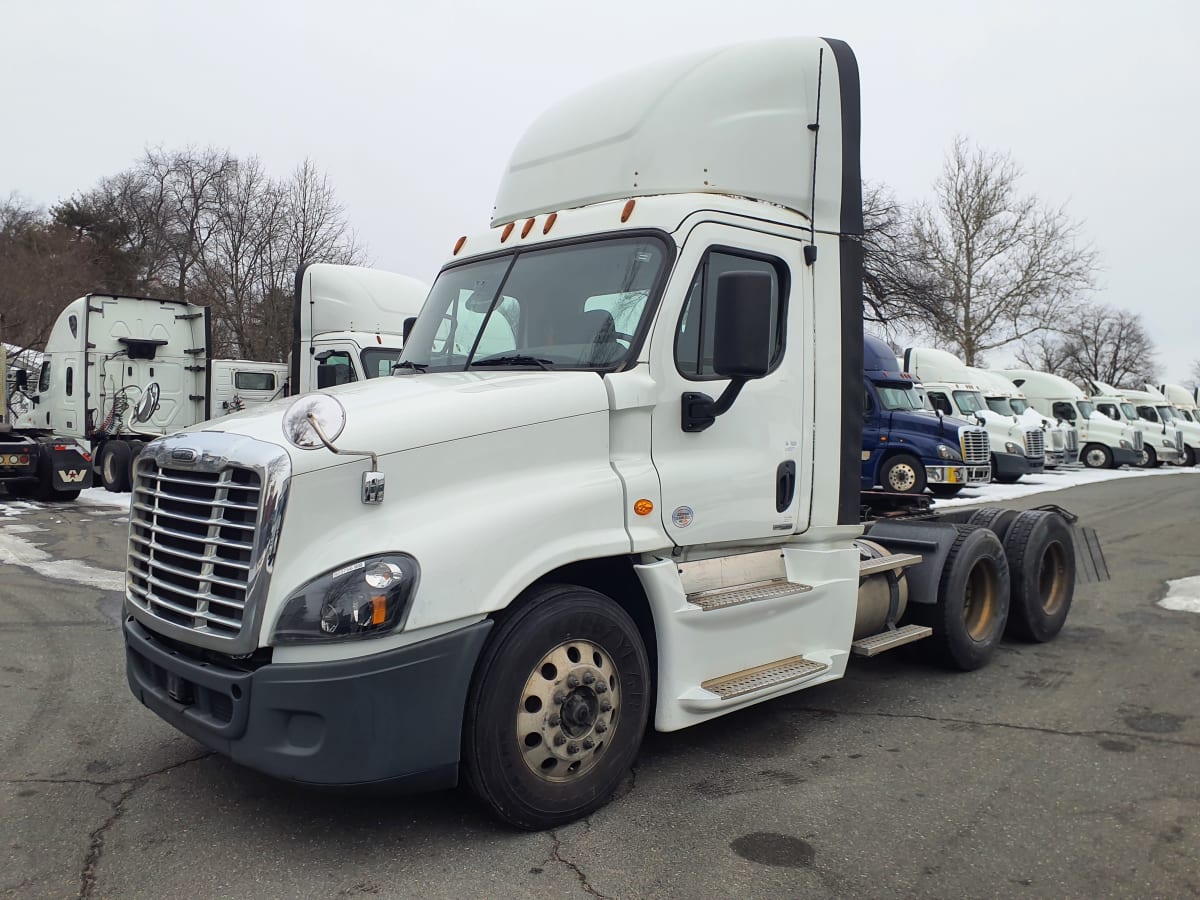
(887, 563)
(747, 681)
(875, 644)
(722, 598)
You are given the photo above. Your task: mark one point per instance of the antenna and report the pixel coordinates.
(810, 252)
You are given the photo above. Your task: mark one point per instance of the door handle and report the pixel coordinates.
(785, 485)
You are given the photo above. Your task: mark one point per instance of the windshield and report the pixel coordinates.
(378, 361)
(1018, 405)
(1000, 405)
(570, 307)
(969, 401)
(898, 398)
(1168, 414)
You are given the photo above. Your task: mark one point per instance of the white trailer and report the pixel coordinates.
(628, 422)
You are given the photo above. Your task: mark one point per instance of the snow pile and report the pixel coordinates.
(99, 496)
(1183, 595)
(1052, 480)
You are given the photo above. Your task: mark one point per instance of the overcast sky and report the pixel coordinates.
(413, 108)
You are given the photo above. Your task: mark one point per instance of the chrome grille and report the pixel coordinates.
(192, 544)
(1035, 443)
(976, 449)
(1139, 441)
(1178, 440)
(1072, 440)
(1058, 441)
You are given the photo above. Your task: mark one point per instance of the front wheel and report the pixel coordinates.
(903, 474)
(557, 707)
(1097, 456)
(945, 491)
(1149, 458)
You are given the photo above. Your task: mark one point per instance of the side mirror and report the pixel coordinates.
(408, 327)
(22, 381)
(741, 344)
(147, 404)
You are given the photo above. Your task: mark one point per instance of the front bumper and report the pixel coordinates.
(390, 717)
(979, 474)
(1055, 458)
(1125, 457)
(946, 474)
(1014, 465)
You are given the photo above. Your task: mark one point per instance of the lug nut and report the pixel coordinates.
(572, 681)
(559, 697)
(559, 740)
(553, 720)
(601, 688)
(601, 728)
(605, 706)
(572, 749)
(588, 743)
(588, 678)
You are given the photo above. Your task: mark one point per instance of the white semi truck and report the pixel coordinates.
(239, 384)
(628, 424)
(1163, 442)
(1018, 448)
(1104, 443)
(1006, 400)
(1184, 404)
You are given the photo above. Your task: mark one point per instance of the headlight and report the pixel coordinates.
(1168, 443)
(1126, 445)
(947, 452)
(1010, 447)
(364, 599)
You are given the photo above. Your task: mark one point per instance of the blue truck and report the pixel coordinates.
(907, 446)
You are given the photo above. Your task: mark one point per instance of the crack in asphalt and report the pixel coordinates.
(1062, 732)
(87, 877)
(556, 856)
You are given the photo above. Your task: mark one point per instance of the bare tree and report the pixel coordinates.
(1196, 374)
(1044, 352)
(891, 277)
(1098, 343)
(997, 266)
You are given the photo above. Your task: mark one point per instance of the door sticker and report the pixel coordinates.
(683, 516)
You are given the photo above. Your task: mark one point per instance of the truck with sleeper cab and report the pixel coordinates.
(1005, 399)
(1183, 403)
(628, 421)
(1162, 440)
(907, 447)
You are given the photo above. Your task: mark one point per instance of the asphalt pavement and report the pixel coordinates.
(1068, 769)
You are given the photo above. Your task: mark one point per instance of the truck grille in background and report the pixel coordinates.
(1035, 443)
(976, 449)
(191, 545)
(1058, 441)
(1139, 441)
(1072, 440)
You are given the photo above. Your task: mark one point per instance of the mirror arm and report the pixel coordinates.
(699, 411)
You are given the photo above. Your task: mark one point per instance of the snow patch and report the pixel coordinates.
(99, 496)
(1183, 595)
(1051, 480)
(18, 551)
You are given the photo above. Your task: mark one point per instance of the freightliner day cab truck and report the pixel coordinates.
(906, 447)
(1183, 402)
(1162, 441)
(1005, 399)
(599, 522)
(1017, 449)
(1103, 443)
(35, 462)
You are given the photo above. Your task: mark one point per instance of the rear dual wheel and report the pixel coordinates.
(1041, 556)
(557, 708)
(116, 457)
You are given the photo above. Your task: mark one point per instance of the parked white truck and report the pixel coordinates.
(1104, 444)
(1184, 404)
(1018, 448)
(1162, 440)
(1005, 399)
(239, 384)
(599, 521)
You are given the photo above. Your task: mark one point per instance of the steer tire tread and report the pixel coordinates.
(994, 518)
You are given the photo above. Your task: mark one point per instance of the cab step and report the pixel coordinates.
(874, 644)
(887, 563)
(723, 598)
(747, 681)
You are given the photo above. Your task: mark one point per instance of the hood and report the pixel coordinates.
(928, 423)
(390, 415)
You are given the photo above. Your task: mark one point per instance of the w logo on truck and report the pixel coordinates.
(72, 476)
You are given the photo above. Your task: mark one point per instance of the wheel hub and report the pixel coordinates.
(903, 478)
(568, 711)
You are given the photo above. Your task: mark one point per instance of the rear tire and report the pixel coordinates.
(972, 604)
(903, 474)
(557, 707)
(115, 458)
(1041, 559)
(1096, 456)
(995, 519)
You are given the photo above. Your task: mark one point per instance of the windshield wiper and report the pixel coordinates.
(514, 359)
(406, 364)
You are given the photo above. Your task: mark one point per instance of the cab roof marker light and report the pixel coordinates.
(458, 245)
(527, 228)
(628, 210)
(506, 232)
(550, 220)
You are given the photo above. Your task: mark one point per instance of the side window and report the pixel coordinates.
(941, 403)
(1147, 413)
(44, 377)
(694, 337)
(250, 381)
(70, 380)
(1064, 411)
(866, 402)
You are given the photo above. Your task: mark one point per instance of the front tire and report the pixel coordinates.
(557, 707)
(1097, 456)
(945, 491)
(1189, 456)
(903, 474)
(1150, 458)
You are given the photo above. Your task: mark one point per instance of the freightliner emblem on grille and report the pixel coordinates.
(183, 455)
